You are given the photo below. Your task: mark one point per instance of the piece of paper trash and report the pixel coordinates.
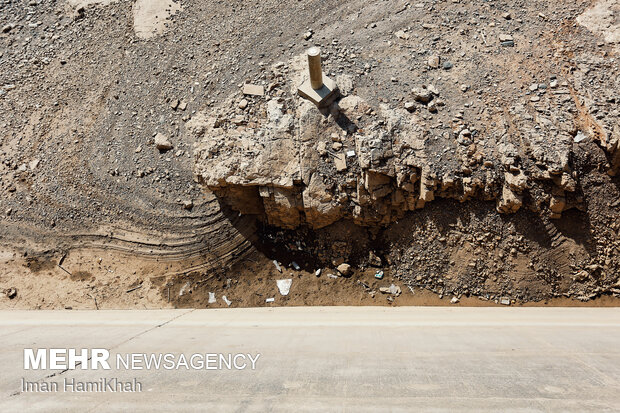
(226, 300)
(212, 298)
(284, 286)
(270, 300)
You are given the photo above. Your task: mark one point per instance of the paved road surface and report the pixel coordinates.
(332, 359)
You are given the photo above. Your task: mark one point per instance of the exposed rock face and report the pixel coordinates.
(295, 165)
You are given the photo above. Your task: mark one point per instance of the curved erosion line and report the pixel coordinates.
(155, 254)
(218, 244)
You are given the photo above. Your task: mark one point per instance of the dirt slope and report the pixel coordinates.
(85, 87)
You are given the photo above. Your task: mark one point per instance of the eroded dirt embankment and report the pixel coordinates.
(474, 154)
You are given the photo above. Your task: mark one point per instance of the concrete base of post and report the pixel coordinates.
(321, 97)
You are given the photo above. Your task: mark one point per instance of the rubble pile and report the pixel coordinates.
(295, 165)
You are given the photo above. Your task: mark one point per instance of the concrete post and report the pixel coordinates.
(314, 64)
(319, 89)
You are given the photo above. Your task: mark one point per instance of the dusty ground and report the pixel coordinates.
(90, 209)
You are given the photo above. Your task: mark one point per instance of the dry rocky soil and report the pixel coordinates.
(471, 158)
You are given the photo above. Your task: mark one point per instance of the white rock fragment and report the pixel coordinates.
(284, 286)
(580, 137)
(162, 143)
(253, 90)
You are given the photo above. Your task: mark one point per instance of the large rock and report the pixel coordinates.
(294, 165)
(162, 142)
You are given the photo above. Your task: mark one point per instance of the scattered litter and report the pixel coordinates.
(580, 137)
(226, 300)
(184, 288)
(379, 275)
(332, 276)
(454, 300)
(318, 272)
(392, 289)
(270, 300)
(504, 301)
(350, 154)
(284, 286)
(277, 264)
(410, 289)
(395, 290)
(296, 266)
(255, 90)
(212, 298)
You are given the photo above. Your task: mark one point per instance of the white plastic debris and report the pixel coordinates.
(226, 300)
(332, 276)
(212, 298)
(284, 286)
(184, 288)
(350, 154)
(277, 264)
(270, 300)
(317, 272)
(392, 289)
(395, 290)
(296, 266)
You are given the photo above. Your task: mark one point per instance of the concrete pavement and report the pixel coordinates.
(437, 359)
